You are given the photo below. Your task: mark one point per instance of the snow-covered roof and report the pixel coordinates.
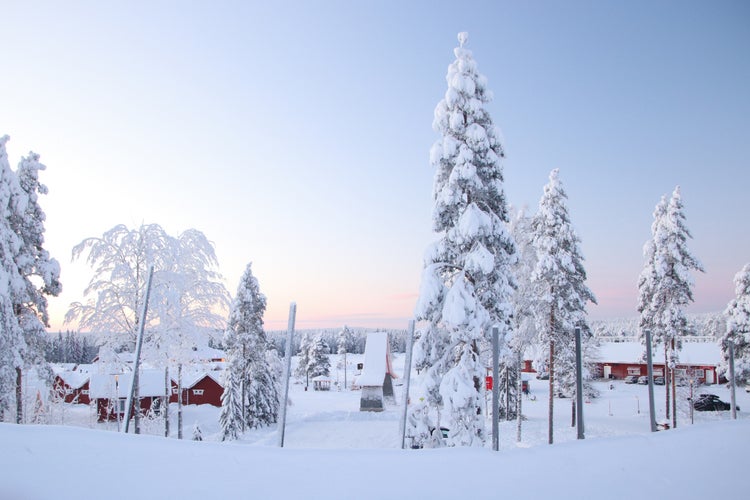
(377, 360)
(695, 353)
(193, 375)
(324, 378)
(150, 383)
(74, 379)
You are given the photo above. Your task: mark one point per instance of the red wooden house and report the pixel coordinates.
(110, 391)
(199, 387)
(71, 387)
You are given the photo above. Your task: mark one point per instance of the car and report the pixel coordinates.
(631, 379)
(658, 380)
(711, 402)
(643, 380)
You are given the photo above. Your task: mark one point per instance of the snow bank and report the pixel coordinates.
(36, 463)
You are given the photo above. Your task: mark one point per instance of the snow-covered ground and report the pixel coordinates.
(332, 450)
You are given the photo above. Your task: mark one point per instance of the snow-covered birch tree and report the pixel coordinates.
(666, 285)
(560, 277)
(467, 281)
(738, 329)
(188, 300)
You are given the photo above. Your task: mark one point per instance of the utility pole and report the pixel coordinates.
(407, 380)
(287, 370)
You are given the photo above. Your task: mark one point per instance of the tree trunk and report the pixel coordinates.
(572, 412)
(19, 395)
(167, 393)
(674, 395)
(666, 375)
(551, 388)
(179, 401)
(518, 400)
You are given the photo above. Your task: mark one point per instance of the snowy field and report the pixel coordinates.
(332, 450)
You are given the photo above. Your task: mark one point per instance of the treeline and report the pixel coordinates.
(702, 325)
(69, 347)
(355, 341)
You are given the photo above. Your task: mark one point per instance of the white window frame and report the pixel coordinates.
(198, 392)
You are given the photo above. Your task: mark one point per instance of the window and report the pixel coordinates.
(121, 406)
(699, 373)
(634, 370)
(198, 392)
(85, 391)
(174, 390)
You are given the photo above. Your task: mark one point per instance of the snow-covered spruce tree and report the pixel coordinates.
(560, 276)
(467, 282)
(246, 345)
(738, 329)
(667, 288)
(40, 272)
(231, 418)
(318, 361)
(12, 288)
(303, 357)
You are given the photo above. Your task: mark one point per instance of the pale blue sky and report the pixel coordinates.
(296, 134)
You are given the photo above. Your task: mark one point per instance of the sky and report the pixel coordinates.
(296, 135)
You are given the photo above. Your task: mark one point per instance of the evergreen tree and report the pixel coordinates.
(319, 362)
(247, 347)
(231, 418)
(666, 285)
(560, 275)
(467, 282)
(303, 357)
(738, 329)
(13, 290)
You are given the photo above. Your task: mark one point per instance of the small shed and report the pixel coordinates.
(377, 375)
(322, 383)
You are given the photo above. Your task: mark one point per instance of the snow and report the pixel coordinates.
(333, 451)
(150, 383)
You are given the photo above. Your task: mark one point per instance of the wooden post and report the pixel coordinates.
(650, 367)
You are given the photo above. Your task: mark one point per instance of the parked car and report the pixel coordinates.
(710, 402)
(658, 380)
(631, 379)
(643, 380)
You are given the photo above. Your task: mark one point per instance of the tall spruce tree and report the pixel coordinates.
(738, 329)
(251, 375)
(560, 275)
(667, 286)
(40, 272)
(11, 288)
(467, 281)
